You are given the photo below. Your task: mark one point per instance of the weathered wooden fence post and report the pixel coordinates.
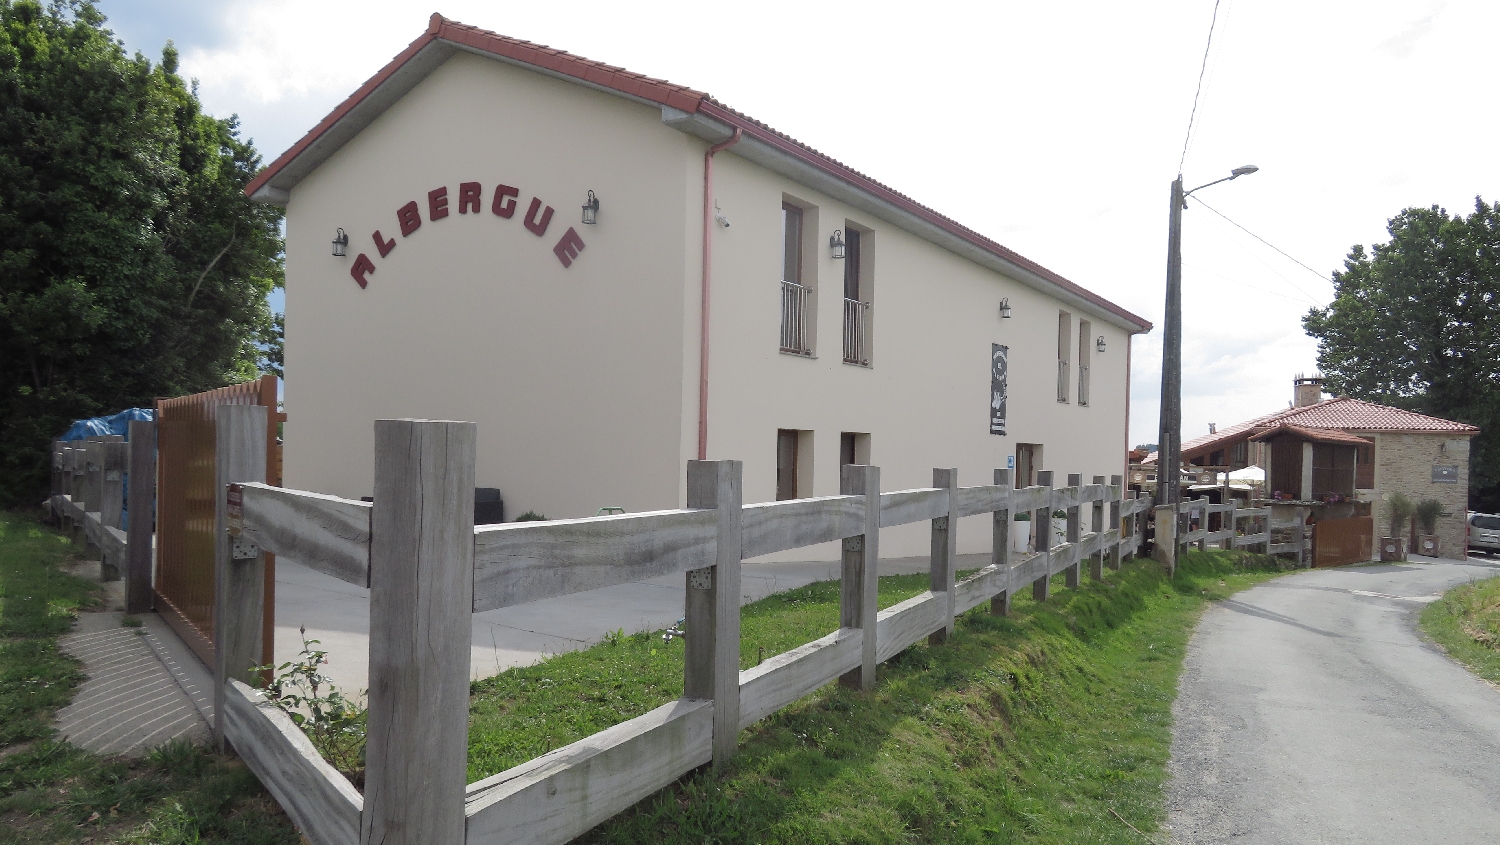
(1233, 525)
(421, 601)
(57, 473)
(1304, 552)
(1096, 524)
(711, 667)
(859, 584)
(111, 503)
(1166, 537)
(1203, 541)
(1000, 542)
(1072, 575)
(141, 515)
(239, 567)
(78, 467)
(93, 491)
(1041, 533)
(944, 559)
(1116, 501)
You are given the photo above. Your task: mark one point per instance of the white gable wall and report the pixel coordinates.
(573, 374)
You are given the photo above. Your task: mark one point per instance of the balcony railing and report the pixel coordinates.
(1062, 381)
(794, 322)
(856, 332)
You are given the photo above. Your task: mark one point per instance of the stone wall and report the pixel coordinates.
(1404, 463)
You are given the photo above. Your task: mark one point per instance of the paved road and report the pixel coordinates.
(1310, 711)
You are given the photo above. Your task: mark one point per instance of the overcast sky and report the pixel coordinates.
(1055, 128)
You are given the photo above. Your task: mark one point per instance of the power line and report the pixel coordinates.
(1262, 240)
(1194, 113)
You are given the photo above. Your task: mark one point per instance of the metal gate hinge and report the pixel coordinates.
(242, 549)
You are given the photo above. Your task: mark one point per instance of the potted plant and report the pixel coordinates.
(1428, 511)
(1393, 545)
(1020, 532)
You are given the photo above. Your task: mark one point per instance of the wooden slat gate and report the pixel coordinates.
(1337, 542)
(186, 487)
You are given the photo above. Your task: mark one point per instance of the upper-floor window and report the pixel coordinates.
(856, 298)
(797, 315)
(1064, 354)
(1085, 331)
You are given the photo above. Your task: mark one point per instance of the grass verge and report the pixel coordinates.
(54, 792)
(1037, 727)
(1466, 623)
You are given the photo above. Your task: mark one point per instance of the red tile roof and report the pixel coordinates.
(1343, 413)
(675, 96)
(1316, 435)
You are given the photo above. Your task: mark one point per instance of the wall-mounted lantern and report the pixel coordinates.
(591, 210)
(1099, 344)
(340, 241)
(836, 243)
(1005, 308)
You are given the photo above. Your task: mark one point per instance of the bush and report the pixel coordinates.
(1428, 510)
(1401, 511)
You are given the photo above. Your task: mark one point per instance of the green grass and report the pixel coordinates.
(1466, 622)
(1035, 727)
(54, 792)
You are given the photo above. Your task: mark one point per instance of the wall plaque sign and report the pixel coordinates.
(999, 365)
(1444, 474)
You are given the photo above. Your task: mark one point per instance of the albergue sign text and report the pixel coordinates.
(503, 204)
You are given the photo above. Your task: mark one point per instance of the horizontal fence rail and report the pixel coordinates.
(564, 793)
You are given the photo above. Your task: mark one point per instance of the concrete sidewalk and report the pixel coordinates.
(337, 614)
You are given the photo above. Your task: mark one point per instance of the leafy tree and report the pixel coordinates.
(131, 263)
(1415, 323)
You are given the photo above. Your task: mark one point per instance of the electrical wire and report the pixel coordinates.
(1196, 93)
(1262, 240)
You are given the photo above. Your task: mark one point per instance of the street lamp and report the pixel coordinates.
(1169, 443)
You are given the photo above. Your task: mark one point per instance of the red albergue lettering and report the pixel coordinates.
(362, 266)
(568, 248)
(410, 217)
(437, 203)
(504, 204)
(469, 193)
(538, 227)
(383, 244)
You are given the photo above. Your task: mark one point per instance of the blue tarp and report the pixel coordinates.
(117, 424)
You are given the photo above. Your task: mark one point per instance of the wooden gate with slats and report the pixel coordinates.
(1337, 542)
(184, 585)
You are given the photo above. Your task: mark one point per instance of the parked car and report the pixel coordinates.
(1484, 532)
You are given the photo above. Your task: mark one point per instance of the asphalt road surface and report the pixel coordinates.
(1310, 710)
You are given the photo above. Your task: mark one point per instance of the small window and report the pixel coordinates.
(856, 300)
(791, 243)
(794, 463)
(1085, 332)
(854, 448)
(798, 318)
(1028, 463)
(1064, 354)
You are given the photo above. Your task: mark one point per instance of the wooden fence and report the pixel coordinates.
(428, 567)
(1275, 529)
(89, 480)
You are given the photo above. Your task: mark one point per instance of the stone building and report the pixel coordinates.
(1396, 451)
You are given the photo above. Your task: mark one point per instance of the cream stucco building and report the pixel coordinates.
(472, 288)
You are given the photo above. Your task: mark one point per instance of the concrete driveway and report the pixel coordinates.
(338, 614)
(1311, 711)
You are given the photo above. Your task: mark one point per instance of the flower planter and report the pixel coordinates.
(1020, 536)
(1392, 549)
(1429, 545)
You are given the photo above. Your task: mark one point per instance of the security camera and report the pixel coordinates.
(723, 221)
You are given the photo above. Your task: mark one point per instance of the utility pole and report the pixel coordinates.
(1169, 432)
(1169, 442)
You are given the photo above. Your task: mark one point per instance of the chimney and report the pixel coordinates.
(1307, 390)
(1213, 429)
